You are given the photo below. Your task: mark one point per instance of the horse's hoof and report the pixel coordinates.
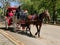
(15, 31)
(18, 27)
(31, 35)
(35, 36)
(26, 33)
(35, 33)
(38, 36)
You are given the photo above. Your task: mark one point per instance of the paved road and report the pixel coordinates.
(50, 35)
(5, 41)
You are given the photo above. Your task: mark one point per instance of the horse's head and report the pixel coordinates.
(47, 14)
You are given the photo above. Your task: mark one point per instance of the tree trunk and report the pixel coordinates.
(54, 12)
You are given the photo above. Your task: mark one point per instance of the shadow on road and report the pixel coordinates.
(22, 32)
(9, 29)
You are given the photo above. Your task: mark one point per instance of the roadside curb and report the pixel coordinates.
(11, 38)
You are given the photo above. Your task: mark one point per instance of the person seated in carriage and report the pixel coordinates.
(9, 15)
(21, 16)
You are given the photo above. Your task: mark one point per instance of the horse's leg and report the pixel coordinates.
(39, 32)
(37, 29)
(28, 29)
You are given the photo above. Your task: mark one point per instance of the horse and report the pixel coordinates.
(37, 21)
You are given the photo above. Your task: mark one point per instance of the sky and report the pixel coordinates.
(1, 5)
(12, 4)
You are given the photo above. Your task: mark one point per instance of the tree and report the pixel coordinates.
(54, 11)
(40, 5)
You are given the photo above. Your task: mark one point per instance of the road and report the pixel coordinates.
(50, 35)
(5, 41)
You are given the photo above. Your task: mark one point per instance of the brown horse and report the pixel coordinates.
(33, 19)
(37, 21)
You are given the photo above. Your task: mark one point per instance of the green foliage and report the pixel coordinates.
(38, 6)
(1, 11)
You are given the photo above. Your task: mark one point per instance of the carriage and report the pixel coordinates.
(12, 7)
(14, 21)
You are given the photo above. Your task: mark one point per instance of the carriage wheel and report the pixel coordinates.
(14, 23)
(14, 27)
(6, 24)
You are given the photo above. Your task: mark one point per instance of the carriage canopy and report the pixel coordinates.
(13, 5)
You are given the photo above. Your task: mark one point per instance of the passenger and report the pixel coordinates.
(10, 14)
